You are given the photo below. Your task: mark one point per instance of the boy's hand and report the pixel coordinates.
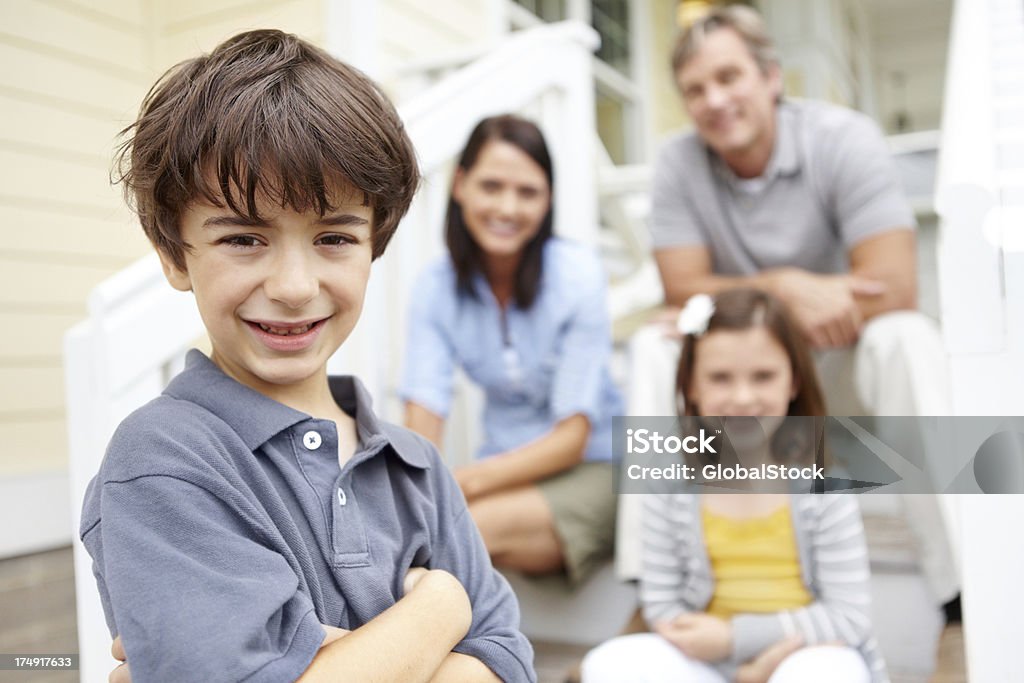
(760, 668)
(412, 577)
(120, 674)
(333, 633)
(701, 636)
(449, 587)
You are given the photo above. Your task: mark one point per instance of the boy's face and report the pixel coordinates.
(279, 297)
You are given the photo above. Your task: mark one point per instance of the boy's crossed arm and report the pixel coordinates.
(429, 620)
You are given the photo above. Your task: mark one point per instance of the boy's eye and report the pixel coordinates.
(241, 241)
(335, 240)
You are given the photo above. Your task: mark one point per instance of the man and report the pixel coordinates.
(800, 200)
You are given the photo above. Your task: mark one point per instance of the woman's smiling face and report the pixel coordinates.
(504, 197)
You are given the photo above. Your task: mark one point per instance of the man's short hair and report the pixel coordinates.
(265, 115)
(745, 21)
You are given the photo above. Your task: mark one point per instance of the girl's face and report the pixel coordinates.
(504, 198)
(741, 373)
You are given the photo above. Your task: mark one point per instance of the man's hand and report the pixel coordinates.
(760, 668)
(698, 635)
(825, 306)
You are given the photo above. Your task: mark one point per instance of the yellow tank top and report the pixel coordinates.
(755, 563)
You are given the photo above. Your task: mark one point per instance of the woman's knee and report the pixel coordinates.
(835, 663)
(515, 523)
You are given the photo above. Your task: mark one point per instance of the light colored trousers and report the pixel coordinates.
(898, 367)
(649, 658)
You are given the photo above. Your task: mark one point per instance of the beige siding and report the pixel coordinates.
(667, 109)
(410, 30)
(73, 74)
(40, 443)
(184, 29)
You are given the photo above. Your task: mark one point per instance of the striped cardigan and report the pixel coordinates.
(676, 575)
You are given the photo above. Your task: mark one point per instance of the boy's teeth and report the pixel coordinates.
(284, 331)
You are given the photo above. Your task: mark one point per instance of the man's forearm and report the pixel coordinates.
(677, 293)
(418, 633)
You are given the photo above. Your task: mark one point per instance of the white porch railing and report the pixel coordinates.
(138, 327)
(980, 203)
(122, 356)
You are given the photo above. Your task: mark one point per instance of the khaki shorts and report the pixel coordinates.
(583, 504)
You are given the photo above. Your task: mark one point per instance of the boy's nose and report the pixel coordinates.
(292, 282)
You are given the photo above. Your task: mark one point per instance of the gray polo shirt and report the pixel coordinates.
(223, 533)
(829, 185)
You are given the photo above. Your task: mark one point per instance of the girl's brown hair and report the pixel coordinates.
(741, 309)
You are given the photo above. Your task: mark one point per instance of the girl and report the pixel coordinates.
(523, 314)
(749, 587)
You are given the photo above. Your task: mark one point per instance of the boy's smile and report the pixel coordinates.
(280, 294)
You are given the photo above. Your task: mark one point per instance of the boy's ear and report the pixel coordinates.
(178, 278)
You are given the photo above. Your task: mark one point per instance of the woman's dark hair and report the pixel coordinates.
(465, 253)
(742, 309)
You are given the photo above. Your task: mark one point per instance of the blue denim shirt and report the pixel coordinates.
(223, 532)
(536, 366)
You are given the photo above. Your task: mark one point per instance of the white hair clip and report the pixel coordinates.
(696, 315)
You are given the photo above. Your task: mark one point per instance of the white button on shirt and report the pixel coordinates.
(311, 440)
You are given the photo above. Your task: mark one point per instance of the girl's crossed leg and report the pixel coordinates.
(649, 658)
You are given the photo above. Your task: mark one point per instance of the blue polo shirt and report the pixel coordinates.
(223, 532)
(537, 366)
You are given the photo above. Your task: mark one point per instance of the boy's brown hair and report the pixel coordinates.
(266, 114)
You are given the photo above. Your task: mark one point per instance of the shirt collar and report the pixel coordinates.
(257, 418)
(785, 160)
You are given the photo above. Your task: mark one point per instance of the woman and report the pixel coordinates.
(524, 315)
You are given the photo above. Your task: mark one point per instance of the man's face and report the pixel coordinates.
(277, 297)
(730, 99)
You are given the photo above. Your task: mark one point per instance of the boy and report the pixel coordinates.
(256, 521)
